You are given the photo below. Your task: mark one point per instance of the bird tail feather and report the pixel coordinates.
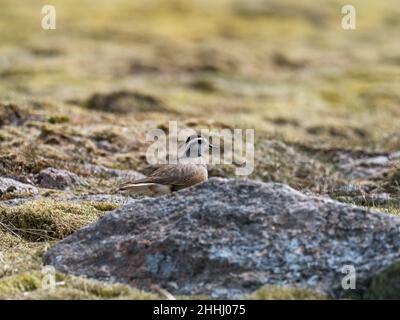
(145, 188)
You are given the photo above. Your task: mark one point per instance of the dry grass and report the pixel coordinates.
(29, 286)
(43, 220)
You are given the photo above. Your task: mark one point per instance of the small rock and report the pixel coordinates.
(52, 178)
(8, 186)
(374, 161)
(119, 175)
(394, 156)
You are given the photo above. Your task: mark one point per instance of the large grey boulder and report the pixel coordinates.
(226, 238)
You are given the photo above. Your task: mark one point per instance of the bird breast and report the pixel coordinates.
(193, 174)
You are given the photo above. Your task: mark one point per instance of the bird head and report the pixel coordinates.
(196, 146)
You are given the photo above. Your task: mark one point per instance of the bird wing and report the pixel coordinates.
(148, 189)
(166, 175)
(179, 176)
(169, 174)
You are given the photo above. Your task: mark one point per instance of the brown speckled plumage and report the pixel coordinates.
(172, 177)
(179, 176)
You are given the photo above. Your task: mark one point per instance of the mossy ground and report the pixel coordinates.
(285, 293)
(284, 68)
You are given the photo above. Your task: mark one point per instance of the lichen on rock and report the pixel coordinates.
(226, 238)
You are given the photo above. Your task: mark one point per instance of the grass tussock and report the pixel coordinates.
(21, 283)
(32, 286)
(42, 220)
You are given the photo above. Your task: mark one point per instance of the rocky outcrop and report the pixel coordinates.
(226, 238)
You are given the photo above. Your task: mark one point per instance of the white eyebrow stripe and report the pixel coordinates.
(196, 139)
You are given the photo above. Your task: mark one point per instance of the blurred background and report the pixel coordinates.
(324, 101)
(282, 66)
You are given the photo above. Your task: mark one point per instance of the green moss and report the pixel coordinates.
(58, 119)
(102, 206)
(285, 293)
(29, 286)
(204, 85)
(18, 284)
(104, 290)
(385, 285)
